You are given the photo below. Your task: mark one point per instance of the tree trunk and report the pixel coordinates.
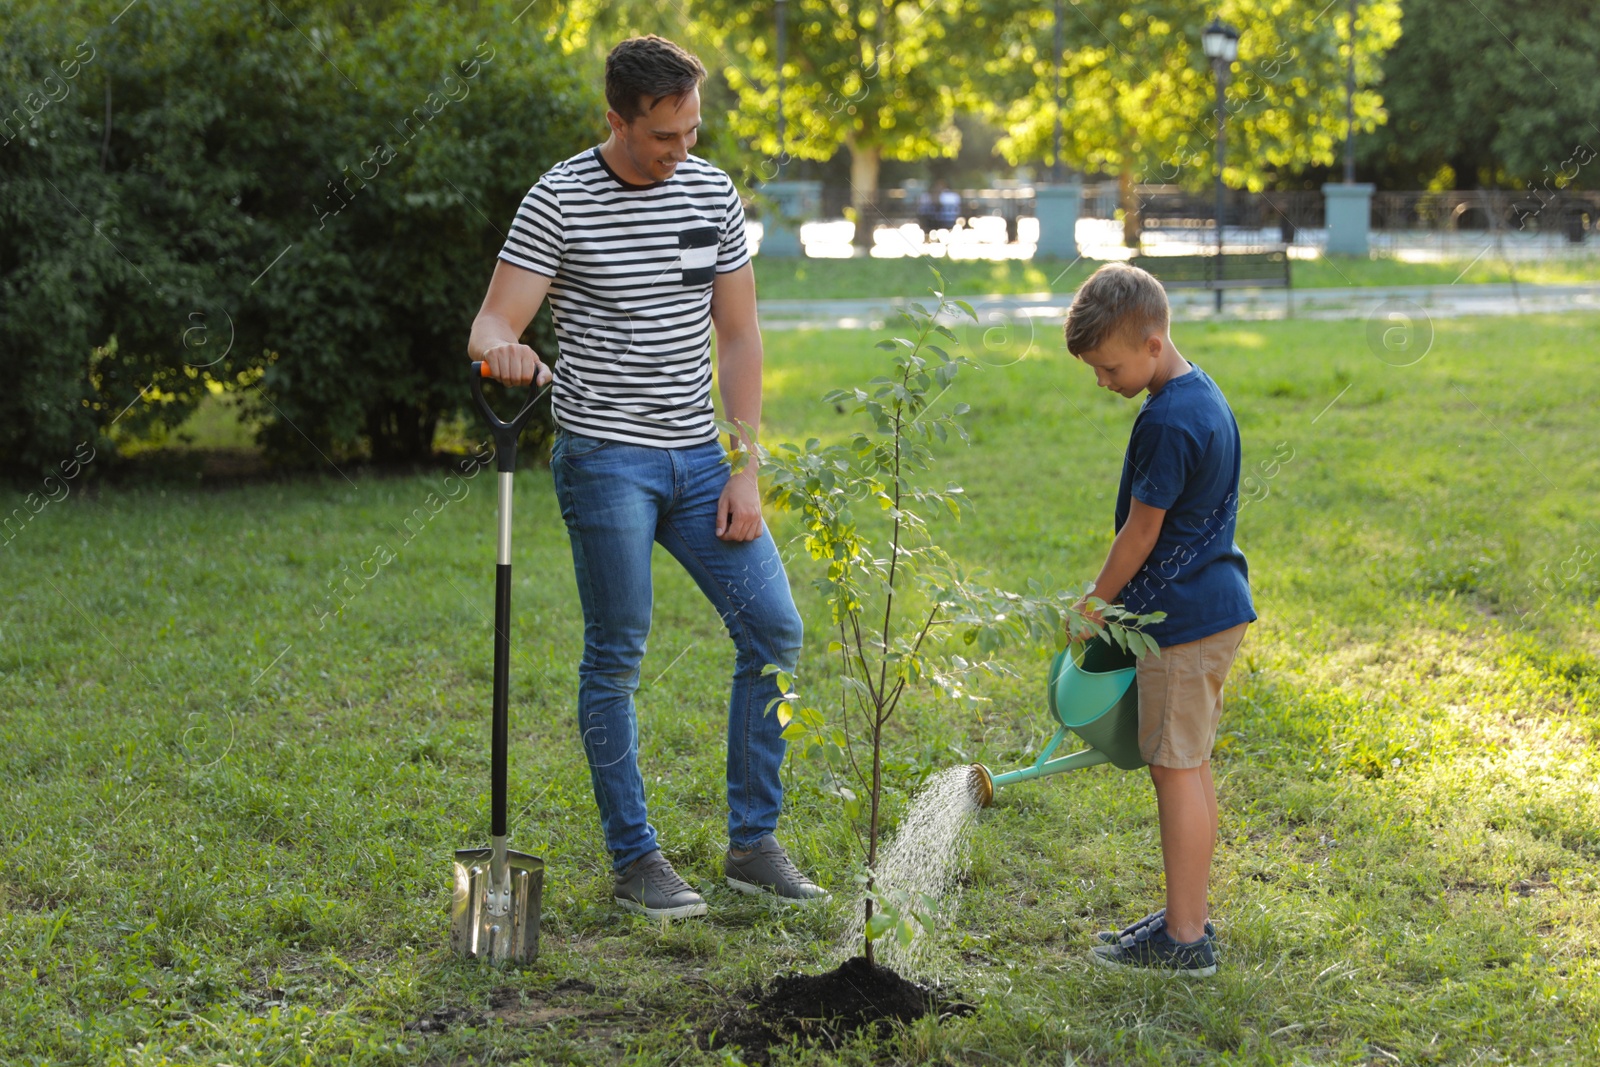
(872, 831)
(1128, 196)
(864, 161)
(401, 432)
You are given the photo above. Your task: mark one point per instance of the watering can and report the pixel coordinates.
(1093, 697)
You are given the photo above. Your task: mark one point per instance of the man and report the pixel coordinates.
(640, 248)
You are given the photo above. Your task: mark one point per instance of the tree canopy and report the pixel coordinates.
(876, 77)
(1138, 93)
(1494, 93)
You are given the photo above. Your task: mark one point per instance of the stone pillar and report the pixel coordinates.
(793, 204)
(1349, 210)
(1056, 207)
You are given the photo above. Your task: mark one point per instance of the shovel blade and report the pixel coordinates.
(483, 924)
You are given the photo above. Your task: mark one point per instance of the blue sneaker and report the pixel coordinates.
(1150, 948)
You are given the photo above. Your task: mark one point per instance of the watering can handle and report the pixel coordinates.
(505, 434)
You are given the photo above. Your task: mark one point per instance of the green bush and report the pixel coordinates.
(301, 203)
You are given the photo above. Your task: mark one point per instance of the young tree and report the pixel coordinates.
(903, 614)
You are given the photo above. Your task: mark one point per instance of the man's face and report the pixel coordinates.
(1123, 363)
(657, 141)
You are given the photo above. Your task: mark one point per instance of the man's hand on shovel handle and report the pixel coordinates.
(514, 364)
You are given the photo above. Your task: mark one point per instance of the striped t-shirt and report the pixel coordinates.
(632, 267)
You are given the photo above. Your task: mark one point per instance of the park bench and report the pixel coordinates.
(1240, 270)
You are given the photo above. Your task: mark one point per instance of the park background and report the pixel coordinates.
(244, 649)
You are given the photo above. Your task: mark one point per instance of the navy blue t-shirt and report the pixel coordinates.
(1183, 456)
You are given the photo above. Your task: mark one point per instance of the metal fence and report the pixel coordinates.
(896, 206)
(1549, 217)
(1564, 213)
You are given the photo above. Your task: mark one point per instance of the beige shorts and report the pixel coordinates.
(1180, 698)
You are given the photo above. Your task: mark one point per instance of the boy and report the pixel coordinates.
(1173, 552)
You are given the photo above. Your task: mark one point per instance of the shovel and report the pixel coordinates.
(494, 912)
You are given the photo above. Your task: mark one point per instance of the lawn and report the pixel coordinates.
(229, 801)
(824, 279)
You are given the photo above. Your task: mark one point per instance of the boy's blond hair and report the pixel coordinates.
(1117, 298)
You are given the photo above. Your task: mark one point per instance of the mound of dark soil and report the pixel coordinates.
(828, 1008)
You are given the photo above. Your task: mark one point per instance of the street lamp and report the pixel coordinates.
(782, 10)
(1350, 105)
(1221, 44)
(1055, 149)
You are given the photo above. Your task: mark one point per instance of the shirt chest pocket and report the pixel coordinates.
(697, 255)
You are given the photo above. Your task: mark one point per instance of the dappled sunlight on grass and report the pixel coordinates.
(1253, 339)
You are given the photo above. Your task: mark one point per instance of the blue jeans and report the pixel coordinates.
(617, 499)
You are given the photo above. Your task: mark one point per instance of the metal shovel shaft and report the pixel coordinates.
(502, 668)
(499, 873)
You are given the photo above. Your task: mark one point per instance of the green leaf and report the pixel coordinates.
(880, 923)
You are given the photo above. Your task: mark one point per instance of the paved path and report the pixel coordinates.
(1360, 302)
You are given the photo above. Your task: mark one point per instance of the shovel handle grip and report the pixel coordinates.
(505, 433)
(480, 367)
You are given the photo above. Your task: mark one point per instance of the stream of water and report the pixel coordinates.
(927, 855)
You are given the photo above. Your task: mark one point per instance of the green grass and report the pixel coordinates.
(825, 279)
(226, 829)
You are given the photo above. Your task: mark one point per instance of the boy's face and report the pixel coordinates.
(1123, 363)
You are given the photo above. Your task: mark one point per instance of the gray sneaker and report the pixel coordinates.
(1151, 948)
(651, 887)
(768, 869)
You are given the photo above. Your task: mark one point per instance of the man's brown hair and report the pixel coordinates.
(1117, 298)
(643, 71)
